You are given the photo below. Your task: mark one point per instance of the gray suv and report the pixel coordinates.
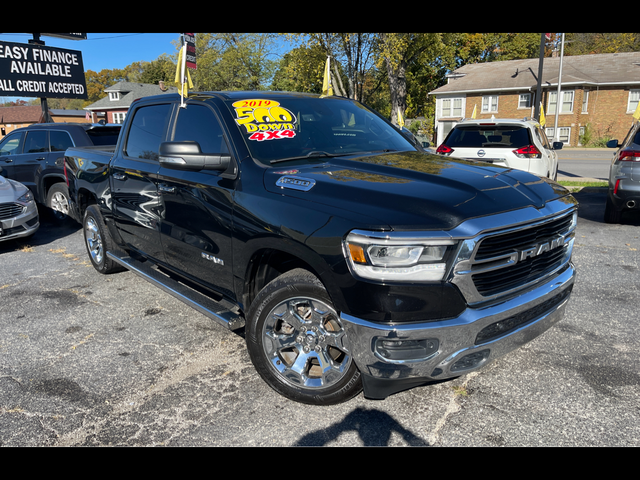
(624, 176)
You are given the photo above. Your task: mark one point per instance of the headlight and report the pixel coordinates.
(26, 198)
(389, 257)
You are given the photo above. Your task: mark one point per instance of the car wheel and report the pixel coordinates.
(611, 213)
(58, 202)
(297, 343)
(98, 241)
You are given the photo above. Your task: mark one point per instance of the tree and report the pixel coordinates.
(588, 43)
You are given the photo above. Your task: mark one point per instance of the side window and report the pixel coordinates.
(147, 131)
(59, 140)
(10, 145)
(543, 138)
(198, 123)
(36, 142)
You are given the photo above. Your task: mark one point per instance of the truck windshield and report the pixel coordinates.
(292, 127)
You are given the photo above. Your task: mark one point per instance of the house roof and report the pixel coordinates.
(129, 91)
(26, 114)
(595, 70)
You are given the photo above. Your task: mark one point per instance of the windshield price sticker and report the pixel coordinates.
(265, 119)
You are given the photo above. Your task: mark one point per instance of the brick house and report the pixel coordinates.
(599, 94)
(121, 95)
(17, 117)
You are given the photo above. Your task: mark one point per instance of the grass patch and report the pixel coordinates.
(577, 186)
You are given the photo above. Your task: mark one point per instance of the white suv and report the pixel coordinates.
(519, 144)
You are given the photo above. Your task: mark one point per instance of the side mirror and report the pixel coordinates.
(188, 156)
(557, 145)
(613, 143)
(426, 144)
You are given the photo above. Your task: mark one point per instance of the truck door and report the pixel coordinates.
(135, 201)
(196, 228)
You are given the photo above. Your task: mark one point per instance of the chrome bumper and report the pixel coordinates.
(444, 349)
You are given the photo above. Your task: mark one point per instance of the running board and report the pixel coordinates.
(223, 312)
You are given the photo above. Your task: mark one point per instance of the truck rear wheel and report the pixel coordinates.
(297, 343)
(98, 241)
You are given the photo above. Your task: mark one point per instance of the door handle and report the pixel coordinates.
(119, 176)
(166, 188)
(8, 160)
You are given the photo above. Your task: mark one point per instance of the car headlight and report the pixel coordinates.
(389, 257)
(27, 198)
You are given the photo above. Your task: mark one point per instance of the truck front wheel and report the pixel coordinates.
(297, 343)
(98, 241)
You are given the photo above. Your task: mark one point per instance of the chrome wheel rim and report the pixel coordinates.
(304, 342)
(94, 240)
(60, 204)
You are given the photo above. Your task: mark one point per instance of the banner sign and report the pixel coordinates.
(39, 71)
(190, 42)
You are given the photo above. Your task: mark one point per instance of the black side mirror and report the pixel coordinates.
(613, 143)
(188, 156)
(557, 145)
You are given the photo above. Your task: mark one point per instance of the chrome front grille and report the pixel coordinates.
(10, 210)
(498, 263)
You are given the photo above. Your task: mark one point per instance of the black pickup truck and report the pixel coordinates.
(352, 258)
(34, 156)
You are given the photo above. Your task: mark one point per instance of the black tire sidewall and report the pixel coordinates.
(54, 214)
(296, 283)
(107, 265)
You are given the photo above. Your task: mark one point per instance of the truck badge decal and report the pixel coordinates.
(211, 258)
(541, 248)
(296, 183)
(265, 119)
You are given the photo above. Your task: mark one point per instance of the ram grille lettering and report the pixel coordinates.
(541, 248)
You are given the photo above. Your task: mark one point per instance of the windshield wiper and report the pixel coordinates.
(315, 153)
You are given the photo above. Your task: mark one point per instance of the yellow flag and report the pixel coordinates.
(473, 115)
(636, 114)
(327, 87)
(400, 119)
(182, 86)
(542, 119)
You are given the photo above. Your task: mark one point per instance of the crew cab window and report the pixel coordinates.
(10, 144)
(199, 124)
(36, 142)
(59, 141)
(147, 131)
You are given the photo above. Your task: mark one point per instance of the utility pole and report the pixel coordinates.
(45, 117)
(558, 100)
(538, 98)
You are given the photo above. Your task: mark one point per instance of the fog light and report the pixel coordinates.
(406, 350)
(472, 360)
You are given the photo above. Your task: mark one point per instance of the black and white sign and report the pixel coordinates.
(190, 42)
(39, 71)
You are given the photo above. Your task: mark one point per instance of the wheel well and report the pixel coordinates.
(266, 265)
(85, 198)
(48, 183)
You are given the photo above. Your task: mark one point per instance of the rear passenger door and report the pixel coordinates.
(196, 227)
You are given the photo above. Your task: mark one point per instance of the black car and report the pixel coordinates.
(624, 176)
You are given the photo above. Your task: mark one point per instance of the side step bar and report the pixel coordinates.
(223, 312)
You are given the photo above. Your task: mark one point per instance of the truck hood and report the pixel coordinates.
(412, 190)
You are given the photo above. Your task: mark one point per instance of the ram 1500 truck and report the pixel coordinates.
(353, 259)
(34, 156)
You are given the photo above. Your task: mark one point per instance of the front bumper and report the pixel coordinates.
(438, 350)
(22, 225)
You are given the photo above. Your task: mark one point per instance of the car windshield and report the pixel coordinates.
(488, 136)
(280, 128)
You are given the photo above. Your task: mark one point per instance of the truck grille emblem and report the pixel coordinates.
(541, 248)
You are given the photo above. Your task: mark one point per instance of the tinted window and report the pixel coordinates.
(10, 144)
(59, 140)
(147, 131)
(36, 142)
(489, 136)
(198, 123)
(104, 136)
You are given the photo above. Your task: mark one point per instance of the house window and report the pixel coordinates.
(567, 102)
(585, 100)
(564, 134)
(118, 117)
(114, 96)
(524, 100)
(634, 98)
(451, 107)
(489, 103)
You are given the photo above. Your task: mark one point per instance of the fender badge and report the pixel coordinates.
(296, 183)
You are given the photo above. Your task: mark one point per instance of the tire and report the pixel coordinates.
(98, 241)
(296, 342)
(58, 202)
(611, 213)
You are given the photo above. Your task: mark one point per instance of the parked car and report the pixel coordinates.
(519, 144)
(18, 211)
(34, 156)
(624, 176)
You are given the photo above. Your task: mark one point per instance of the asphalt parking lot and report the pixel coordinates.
(92, 360)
